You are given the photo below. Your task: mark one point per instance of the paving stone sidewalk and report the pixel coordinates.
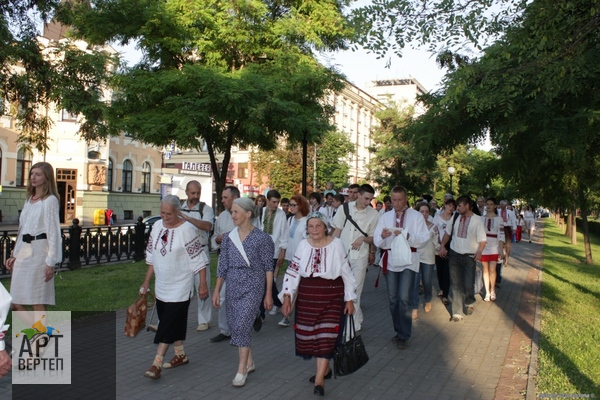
(444, 360)
(486, 356)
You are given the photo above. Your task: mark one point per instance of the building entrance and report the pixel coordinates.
(66, 181)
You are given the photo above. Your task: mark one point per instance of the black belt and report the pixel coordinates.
(27, 238)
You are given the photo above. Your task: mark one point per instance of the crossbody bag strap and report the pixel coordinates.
(352, 221)
(235, 238)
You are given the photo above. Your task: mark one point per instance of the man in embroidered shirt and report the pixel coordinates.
(224, 224)
(274, 222)
(400, 279)
(467, 242)
(358, 247)
(200, 215)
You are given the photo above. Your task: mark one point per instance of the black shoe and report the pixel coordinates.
(219, 338)
(402, 343)
(319, 390)
(258, 324)
(327, 376)
(469, 310)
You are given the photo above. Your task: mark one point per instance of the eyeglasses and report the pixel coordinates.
(293, 205)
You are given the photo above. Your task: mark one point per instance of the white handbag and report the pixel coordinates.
(401, 255)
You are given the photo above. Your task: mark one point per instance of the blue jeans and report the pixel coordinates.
(425, 275)
(462, 281)
(400, 292)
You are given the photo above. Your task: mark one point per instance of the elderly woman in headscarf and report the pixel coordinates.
(320, 280)
(246, 263)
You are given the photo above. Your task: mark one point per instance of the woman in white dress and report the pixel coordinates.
(39, 244)
(493, 250)
(529, 221)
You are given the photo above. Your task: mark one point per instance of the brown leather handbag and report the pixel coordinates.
(136, 313)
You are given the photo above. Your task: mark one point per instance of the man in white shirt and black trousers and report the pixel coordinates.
(467, 239)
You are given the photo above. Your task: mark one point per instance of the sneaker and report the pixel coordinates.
(273, 311)
(219, 338)
(470, 310)
(176, 361)
(284, 322)
(202, 327)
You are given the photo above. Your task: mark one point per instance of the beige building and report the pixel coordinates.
(397, 92)
(119, 174)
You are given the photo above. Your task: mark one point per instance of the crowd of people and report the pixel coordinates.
(322, 245)
(327, 242)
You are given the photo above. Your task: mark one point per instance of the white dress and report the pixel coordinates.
(27, 285)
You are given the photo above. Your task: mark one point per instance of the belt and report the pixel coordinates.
(491, 235)
(27, 238)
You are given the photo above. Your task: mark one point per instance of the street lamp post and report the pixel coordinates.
(451, 171)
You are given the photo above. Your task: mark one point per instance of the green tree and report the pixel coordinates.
(534, 91)
(37, 74)
(332, 153)
(222, 72)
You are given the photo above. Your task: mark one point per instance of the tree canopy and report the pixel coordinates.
(36, 73)
(222, 72)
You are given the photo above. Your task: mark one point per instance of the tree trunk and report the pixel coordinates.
(569, 225)
(586, 237)
(574, 226)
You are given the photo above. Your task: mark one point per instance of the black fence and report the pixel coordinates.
(93, 245)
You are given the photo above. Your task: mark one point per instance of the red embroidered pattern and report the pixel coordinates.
(463, 226)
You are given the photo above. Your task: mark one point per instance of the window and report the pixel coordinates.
(128, 214)
(23, 166)
(94, 155)
(242, 171)
(127, 175)
(109, 175)
(68, 117)
(146, 177)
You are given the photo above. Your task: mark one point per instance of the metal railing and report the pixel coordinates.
(92, 245)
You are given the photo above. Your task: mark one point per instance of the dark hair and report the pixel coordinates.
(284, 200)
(495, 203)
(339, 197)
(450, 201)
(235, 192)
(259, 197)
(366, 188)
(399, 189)
(273, 194)
(464, 199)
(421, 204)
(303, 206)
(316, 196)
(354, 186)
(378, 203)
(387, 198)
(329, 194)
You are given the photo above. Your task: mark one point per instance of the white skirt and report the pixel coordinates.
(27, 285)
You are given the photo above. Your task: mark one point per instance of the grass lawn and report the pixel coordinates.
(103, 287)
(569, 359)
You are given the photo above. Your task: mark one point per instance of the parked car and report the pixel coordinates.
(149, 221)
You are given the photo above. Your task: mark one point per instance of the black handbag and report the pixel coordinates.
(351, 354)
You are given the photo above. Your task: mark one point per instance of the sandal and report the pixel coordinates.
(153, 372)
(493, 296)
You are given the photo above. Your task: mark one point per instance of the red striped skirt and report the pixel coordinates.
(319, 311)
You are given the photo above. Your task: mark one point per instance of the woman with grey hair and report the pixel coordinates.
(246, 263)
(174, 254)
(320, 279)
